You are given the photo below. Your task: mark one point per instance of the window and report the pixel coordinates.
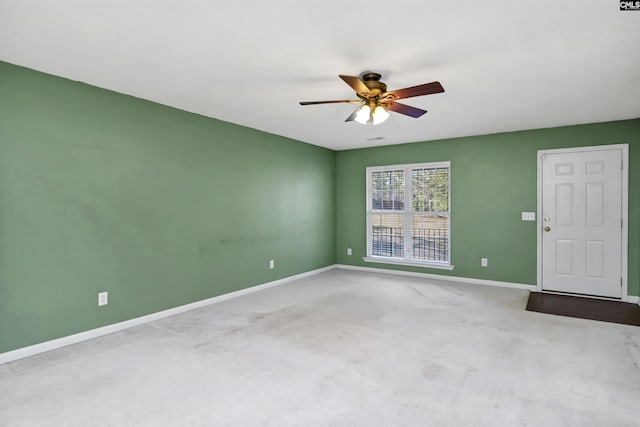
(408, 215)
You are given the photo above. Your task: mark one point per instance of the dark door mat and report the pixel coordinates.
(585, 308)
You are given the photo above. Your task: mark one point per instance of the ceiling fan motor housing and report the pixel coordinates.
(373, 83)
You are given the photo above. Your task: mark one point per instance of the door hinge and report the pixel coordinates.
(621, 223)
(621, 282)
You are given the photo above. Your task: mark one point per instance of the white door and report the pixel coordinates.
(581, 220)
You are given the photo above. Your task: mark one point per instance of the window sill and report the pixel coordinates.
(398, 261)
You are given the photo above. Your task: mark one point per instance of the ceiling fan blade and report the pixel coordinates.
(350, 101)
(355, 83)
(353, 115)
(420, 90)
(407, 110)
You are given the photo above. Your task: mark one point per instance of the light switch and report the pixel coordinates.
(528, 216)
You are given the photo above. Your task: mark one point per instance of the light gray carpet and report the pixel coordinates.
(341, 348)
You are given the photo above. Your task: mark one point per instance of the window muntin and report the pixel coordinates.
(408, 213)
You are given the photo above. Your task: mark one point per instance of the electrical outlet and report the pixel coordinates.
(349, 251)
(484, 262)
(272, 264)
(103, 298)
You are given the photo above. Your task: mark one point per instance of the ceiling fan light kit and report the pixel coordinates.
(366, 114)
(375, 101)
(363, 114)
(379, 115)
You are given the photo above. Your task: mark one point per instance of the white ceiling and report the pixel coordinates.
(505, 65)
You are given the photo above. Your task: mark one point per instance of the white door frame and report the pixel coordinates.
(625, 199)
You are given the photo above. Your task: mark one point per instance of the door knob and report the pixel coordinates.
(547, 228)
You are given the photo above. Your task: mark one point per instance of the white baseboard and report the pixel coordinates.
(439, 277)
(630, 298)
(32, 350)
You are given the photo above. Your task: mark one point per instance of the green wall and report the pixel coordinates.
(493, 179)
(104, 192)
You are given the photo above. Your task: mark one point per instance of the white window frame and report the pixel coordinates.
(408, 203)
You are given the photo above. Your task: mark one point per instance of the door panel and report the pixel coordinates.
(564, 258)
(564, 204)
(582, 211)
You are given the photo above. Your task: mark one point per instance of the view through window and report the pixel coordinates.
(408, 212)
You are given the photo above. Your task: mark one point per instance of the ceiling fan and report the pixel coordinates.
(375, 101)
